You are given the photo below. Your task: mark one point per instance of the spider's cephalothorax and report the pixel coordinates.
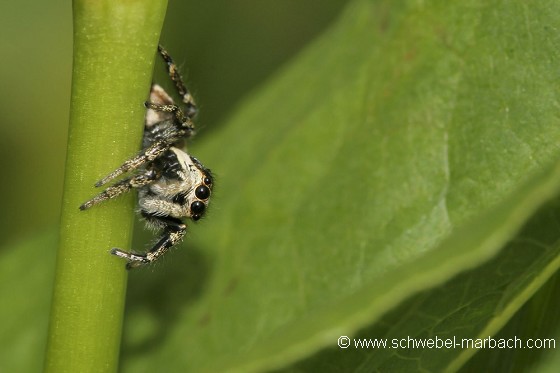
(171, 184)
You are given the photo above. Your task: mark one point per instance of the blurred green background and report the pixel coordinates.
(225, 49)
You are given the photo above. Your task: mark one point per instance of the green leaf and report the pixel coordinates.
(377, 187)
(551, 359)
(473, 305)
(538, 322)
(408, 144)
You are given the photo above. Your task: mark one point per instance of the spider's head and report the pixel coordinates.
(188, 183)
(200, 196)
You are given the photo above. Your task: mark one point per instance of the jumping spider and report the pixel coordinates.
(172, 185)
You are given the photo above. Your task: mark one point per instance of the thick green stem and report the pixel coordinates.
(114, 49)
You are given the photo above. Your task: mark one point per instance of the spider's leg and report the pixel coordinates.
(184, 120)
(147, 155)
(176, 77)
(121, 187)
(173, 233)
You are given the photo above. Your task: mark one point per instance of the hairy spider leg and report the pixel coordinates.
(147, 155)
(121, 187)
(185, 121)
(178, 80)
(173, 233)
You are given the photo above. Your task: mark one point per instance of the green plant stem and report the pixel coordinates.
(114, 49)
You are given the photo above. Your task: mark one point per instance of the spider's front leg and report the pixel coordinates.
(173, 233)
(147, 155)
(121, 187)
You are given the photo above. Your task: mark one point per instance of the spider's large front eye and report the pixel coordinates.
(202, 192)
(197, 208)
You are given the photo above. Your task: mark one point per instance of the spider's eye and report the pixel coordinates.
(207, 180)
(197, 208)
(202, 192)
